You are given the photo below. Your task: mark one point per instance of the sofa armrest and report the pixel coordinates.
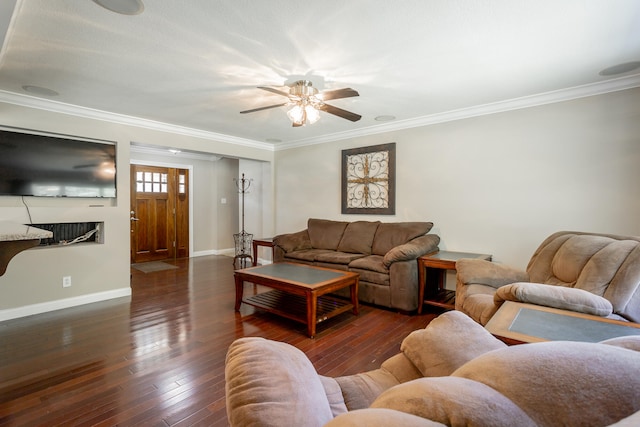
(561, 297)
(274, 383)
(293, 241)
(482, 272)
(412, 250)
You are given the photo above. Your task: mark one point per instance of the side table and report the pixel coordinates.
(263, 241)
(438, 263)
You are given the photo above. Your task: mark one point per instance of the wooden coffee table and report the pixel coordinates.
(299, 291)
(518, 323)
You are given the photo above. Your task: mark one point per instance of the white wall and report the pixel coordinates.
(496, 184)
(33, 281)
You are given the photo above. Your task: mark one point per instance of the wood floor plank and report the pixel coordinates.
(157, 358)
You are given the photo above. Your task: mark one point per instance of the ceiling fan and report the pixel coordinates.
(307, 103)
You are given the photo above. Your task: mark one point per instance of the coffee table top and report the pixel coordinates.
(532, 323)
(296, 273)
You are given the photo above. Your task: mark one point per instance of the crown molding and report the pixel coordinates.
(161, 151)
(612, 85)
(552, 97)
(90, 113)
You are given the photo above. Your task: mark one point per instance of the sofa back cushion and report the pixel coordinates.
(561, 382)
(358, 237)
(325, 234)
(392, 234)
(603, 264)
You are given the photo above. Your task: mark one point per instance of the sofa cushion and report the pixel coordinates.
(454, 401)
(324, 233)
(554, 296)
(358, 237)
(334, 395)
(371, 262)
(448, 342)
(308, 255)
(392, 234)
(382, 417)
(336, 257)
(360, 390)
(270, 380)
(380, 279)
(561, 382)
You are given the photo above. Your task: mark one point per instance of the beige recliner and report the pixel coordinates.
(453, 372)
(592, 273)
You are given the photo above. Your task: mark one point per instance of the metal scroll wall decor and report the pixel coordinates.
(368, 180)
(243, 240)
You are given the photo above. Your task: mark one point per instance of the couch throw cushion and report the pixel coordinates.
(554, 296)
(448, 342)
(455, 402)
(271, 380)
(392, 234)
(324, 233)
(358, 237)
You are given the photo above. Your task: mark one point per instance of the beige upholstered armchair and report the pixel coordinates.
(592, 273)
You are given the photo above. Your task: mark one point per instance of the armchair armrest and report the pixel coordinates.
(273, 383)
(481, 272)
(412, 250)
(561, 297)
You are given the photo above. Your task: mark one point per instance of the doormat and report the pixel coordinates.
(150, 267)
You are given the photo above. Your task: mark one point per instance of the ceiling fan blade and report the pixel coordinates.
(263, 108)
(340, 112)
(272, 90)
(297, 124)
(338, 94)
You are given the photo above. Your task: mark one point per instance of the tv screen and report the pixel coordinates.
(48, 166)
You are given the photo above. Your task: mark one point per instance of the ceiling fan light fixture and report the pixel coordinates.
(313, 115)
(296, 114)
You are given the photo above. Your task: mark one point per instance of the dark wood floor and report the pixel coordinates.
(157, 358)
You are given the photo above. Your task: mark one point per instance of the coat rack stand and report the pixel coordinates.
(243, 240)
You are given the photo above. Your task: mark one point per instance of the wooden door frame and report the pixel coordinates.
(175, 166)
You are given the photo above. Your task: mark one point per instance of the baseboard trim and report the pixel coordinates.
(225, 252)
(29, 310)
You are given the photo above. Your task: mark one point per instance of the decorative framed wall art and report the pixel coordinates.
(369, 180)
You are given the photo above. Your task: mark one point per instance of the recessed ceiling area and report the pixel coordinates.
(197, 64)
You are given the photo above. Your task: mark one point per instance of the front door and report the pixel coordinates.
(159, 213)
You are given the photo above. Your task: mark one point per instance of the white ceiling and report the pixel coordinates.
(194, 65)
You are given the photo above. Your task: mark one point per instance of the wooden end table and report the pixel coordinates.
(438, 263)
(263, 241)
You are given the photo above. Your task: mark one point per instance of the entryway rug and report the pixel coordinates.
(150, 267)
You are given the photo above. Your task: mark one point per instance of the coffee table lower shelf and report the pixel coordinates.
(294, 307)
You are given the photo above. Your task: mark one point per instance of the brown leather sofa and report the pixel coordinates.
(592, 273)
(384, 254)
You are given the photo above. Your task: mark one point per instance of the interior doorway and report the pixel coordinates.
(159, 213)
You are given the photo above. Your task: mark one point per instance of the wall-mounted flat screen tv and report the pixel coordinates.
(53, 166)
